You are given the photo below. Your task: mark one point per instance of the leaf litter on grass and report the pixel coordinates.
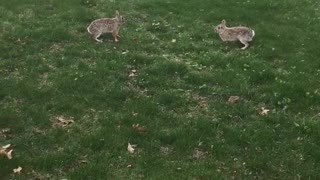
(166, 150)
(190, 47)
(233, 99)
(6, 132)
(17, 170)
(139, 129)
(4, 150)
(62, 121)
(130, 148)
(132, 73)
(264, 111)
(198, 154)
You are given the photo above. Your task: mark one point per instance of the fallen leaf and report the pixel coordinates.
(264, 111)
(125, 52)
(6, 132)
(9, 155)
(199, 154)
(17, 170)
(83, 161)
(203, 104)
(130, 148)
(6, 146)
(156, 24)
(63, 121)
(132, 73)
(166, 150)
(233, 99)
(139, 129)
(3, 151)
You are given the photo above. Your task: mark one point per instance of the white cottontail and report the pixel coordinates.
(243, 34)
(106, 25)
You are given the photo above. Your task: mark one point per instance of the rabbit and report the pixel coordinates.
(243, 34)
(106, 25)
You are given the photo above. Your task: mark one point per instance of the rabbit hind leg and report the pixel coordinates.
(245, 43)
(95, 37)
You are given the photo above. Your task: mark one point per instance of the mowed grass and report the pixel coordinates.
(50, 67)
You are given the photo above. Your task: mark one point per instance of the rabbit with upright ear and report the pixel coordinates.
(106, 25)
(243, 34)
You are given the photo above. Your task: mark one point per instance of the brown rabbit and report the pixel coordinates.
(106, 25)
(243, 34)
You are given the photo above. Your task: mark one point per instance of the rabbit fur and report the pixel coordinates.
(243, 34)
(106, 25)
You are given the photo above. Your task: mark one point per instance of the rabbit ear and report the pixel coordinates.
(223, 22)
(117, 13)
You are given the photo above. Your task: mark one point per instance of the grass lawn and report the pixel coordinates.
(171, 74)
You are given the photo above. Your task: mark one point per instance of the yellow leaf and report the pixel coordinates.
(264, 111)
(17, 170)
(130, 148)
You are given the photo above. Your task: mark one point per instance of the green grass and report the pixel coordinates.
(49, 67)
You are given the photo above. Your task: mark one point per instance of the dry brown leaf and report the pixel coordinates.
(3, 151)
(6, 132)
(233, 99)
(166, 150)
(132, 73)
(6, 146)
(130, 148)
(9, 154)
(139, 129)
(264, 111)
(199, 154)
(56, 48)
(63, 121)
(203, 104)
(17, 170)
